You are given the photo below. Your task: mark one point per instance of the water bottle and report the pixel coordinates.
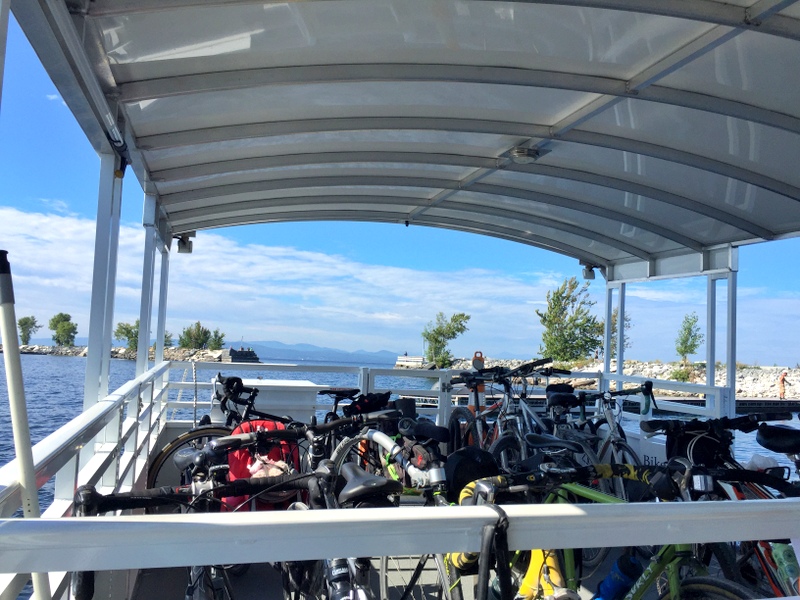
(785, 558)
(625, 571)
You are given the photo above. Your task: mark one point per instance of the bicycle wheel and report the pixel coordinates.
(463, 431)
(303, 580)
(708, 588)
(632, 491)
(360, 450)
(162, 471)
(414, 578)
(507, 451)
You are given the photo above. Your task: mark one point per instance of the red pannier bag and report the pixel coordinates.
(281, 457)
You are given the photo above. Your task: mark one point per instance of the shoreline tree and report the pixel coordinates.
(436, 336)
(626, 342)
(27, 327)
(571, 332)
(64, 330)
(689, 338)
(196, 336)
(129, 333)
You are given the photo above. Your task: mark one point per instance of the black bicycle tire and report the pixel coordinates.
(622, 453)
(458, 433)
(500, 448)
(162, 458)
(343, 449)
(412, 587)
(709, 588)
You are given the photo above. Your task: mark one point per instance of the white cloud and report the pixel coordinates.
(260, 292)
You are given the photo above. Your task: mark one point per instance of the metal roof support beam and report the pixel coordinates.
(188, 198)
(718, 261)
(256, 130)
(161, 322)
(101, 280)
(697, 10)
(268, 162)
(5, 6)
(620, 341)
(711, 329)
(148, 272)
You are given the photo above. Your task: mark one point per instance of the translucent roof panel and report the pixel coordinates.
(616, 132)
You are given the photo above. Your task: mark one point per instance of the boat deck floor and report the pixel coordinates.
(263, 582)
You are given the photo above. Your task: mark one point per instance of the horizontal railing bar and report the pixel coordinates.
(162, 540)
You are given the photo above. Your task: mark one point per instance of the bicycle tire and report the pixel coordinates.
(161, 470)
(507, 450)
(463, 431)
(413, 578)
(360, 449)
(709, 588)
(303, 580)
(632, 491)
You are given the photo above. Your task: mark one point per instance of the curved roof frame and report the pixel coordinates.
(519, 171)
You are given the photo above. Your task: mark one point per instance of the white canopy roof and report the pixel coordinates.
(646, 137)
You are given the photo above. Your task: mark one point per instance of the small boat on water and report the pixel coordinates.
(645, 140)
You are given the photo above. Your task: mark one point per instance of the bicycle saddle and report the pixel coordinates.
(360, 483)
(779, 438)
(562, 399)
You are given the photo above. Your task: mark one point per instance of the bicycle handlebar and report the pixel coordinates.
(500, 373)
(300, 431)
(745, 424)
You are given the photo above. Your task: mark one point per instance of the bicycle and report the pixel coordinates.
(210, 490)
(418, 457)
(237, 403)
(483, 426)
(557, 574)
(769, 567)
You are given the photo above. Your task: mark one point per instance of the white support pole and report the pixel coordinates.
(19, 410)
(5, 5)
(105, 200)
(620, 341)
(113, 247)
(163, 285)
(731, 349)
(148, 267)
(711, 330)
(607, 333)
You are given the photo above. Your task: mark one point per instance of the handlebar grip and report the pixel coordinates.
(560, 371)
(654, 425)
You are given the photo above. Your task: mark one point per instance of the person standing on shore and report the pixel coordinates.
(782, 382)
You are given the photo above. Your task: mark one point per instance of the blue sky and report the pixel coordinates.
(343, 285)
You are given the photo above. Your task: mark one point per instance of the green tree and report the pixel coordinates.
(689, 338)
(217, 340)
(128, 333)
(437, 335)
(27, 327)
(64, 330)
(626, 342)
(571, 332)
(197, 336)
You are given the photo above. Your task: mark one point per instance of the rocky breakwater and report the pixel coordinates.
(751, 381)
(178, 354)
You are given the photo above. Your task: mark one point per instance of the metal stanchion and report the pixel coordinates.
(19, 410)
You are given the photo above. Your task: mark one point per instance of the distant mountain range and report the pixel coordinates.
(272, 350)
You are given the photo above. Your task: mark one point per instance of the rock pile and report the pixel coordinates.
(183, 354)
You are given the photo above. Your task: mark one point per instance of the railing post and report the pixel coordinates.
(365, 382)
(18, 409)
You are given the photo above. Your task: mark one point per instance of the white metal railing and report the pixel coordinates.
(108, 445)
